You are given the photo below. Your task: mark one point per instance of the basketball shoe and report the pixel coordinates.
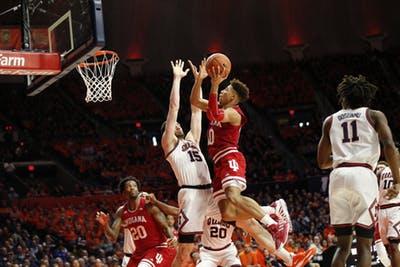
(282, 211)
(279, 230)
(302, 258)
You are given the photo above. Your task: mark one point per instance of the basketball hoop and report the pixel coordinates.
(97, 72)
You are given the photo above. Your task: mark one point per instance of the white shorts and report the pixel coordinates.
(193, 205)
(389, 224)
(125, 261)
(225, 257)
(353, 194)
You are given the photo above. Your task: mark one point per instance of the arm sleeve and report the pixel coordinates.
(215, 112)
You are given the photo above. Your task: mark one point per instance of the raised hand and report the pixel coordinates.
(201, 73)
(177, 68)
(150, 197)
(216, 75)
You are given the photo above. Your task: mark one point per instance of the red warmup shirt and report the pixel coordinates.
(146, 232)
(222, 136)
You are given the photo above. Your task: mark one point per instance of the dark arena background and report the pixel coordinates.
(62, 158)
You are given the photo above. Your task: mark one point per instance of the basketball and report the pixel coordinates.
(221, 60)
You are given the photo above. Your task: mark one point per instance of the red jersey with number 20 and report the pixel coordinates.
(146, 232)
(223, 137)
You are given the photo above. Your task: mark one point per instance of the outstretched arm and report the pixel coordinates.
(196, 98)
(111, 232)
(161, 220)
(214, 112)
(164, 207)
(195, 124)
(324, 158)
(168, 139)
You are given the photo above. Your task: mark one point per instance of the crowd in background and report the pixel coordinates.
(101, 143)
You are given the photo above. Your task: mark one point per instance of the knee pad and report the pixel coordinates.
(185, 238)
(345, 230)
(364, 232)
(394, 241)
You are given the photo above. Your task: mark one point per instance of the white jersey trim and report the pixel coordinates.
(223, 153)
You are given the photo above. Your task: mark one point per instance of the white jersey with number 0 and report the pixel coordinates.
(353, 138)
(189, 164)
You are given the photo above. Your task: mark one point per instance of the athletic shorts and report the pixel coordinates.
(389, 224)
(125, 261)
(229, 170)
(353, 194)
(155, 257)
(193, 205)
(225, 257)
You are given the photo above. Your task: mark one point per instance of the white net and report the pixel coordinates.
(97, 72)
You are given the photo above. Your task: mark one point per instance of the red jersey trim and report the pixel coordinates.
(217, 249)
(366, 226)
(353, 164)
(176, 145)
(330, 119)
(369, 119)
(388, 206)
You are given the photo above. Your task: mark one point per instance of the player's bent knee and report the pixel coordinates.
(233, 197)
(227, 209)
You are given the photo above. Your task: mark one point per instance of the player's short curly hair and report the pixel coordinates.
(354, 92)
(241, 89)
(122, 183)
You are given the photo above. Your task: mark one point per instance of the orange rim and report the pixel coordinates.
(100, 53)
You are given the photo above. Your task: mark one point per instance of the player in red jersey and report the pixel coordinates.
(153, 238)
(226, 121)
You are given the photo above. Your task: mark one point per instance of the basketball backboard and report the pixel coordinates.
(74, 29)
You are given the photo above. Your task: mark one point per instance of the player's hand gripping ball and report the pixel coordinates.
(218, 60)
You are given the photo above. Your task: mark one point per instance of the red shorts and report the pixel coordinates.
(229, 171)
(158, 257)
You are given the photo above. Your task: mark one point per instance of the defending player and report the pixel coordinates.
(350, 145)
(389, 213)
(190, 168)
(153, 239)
